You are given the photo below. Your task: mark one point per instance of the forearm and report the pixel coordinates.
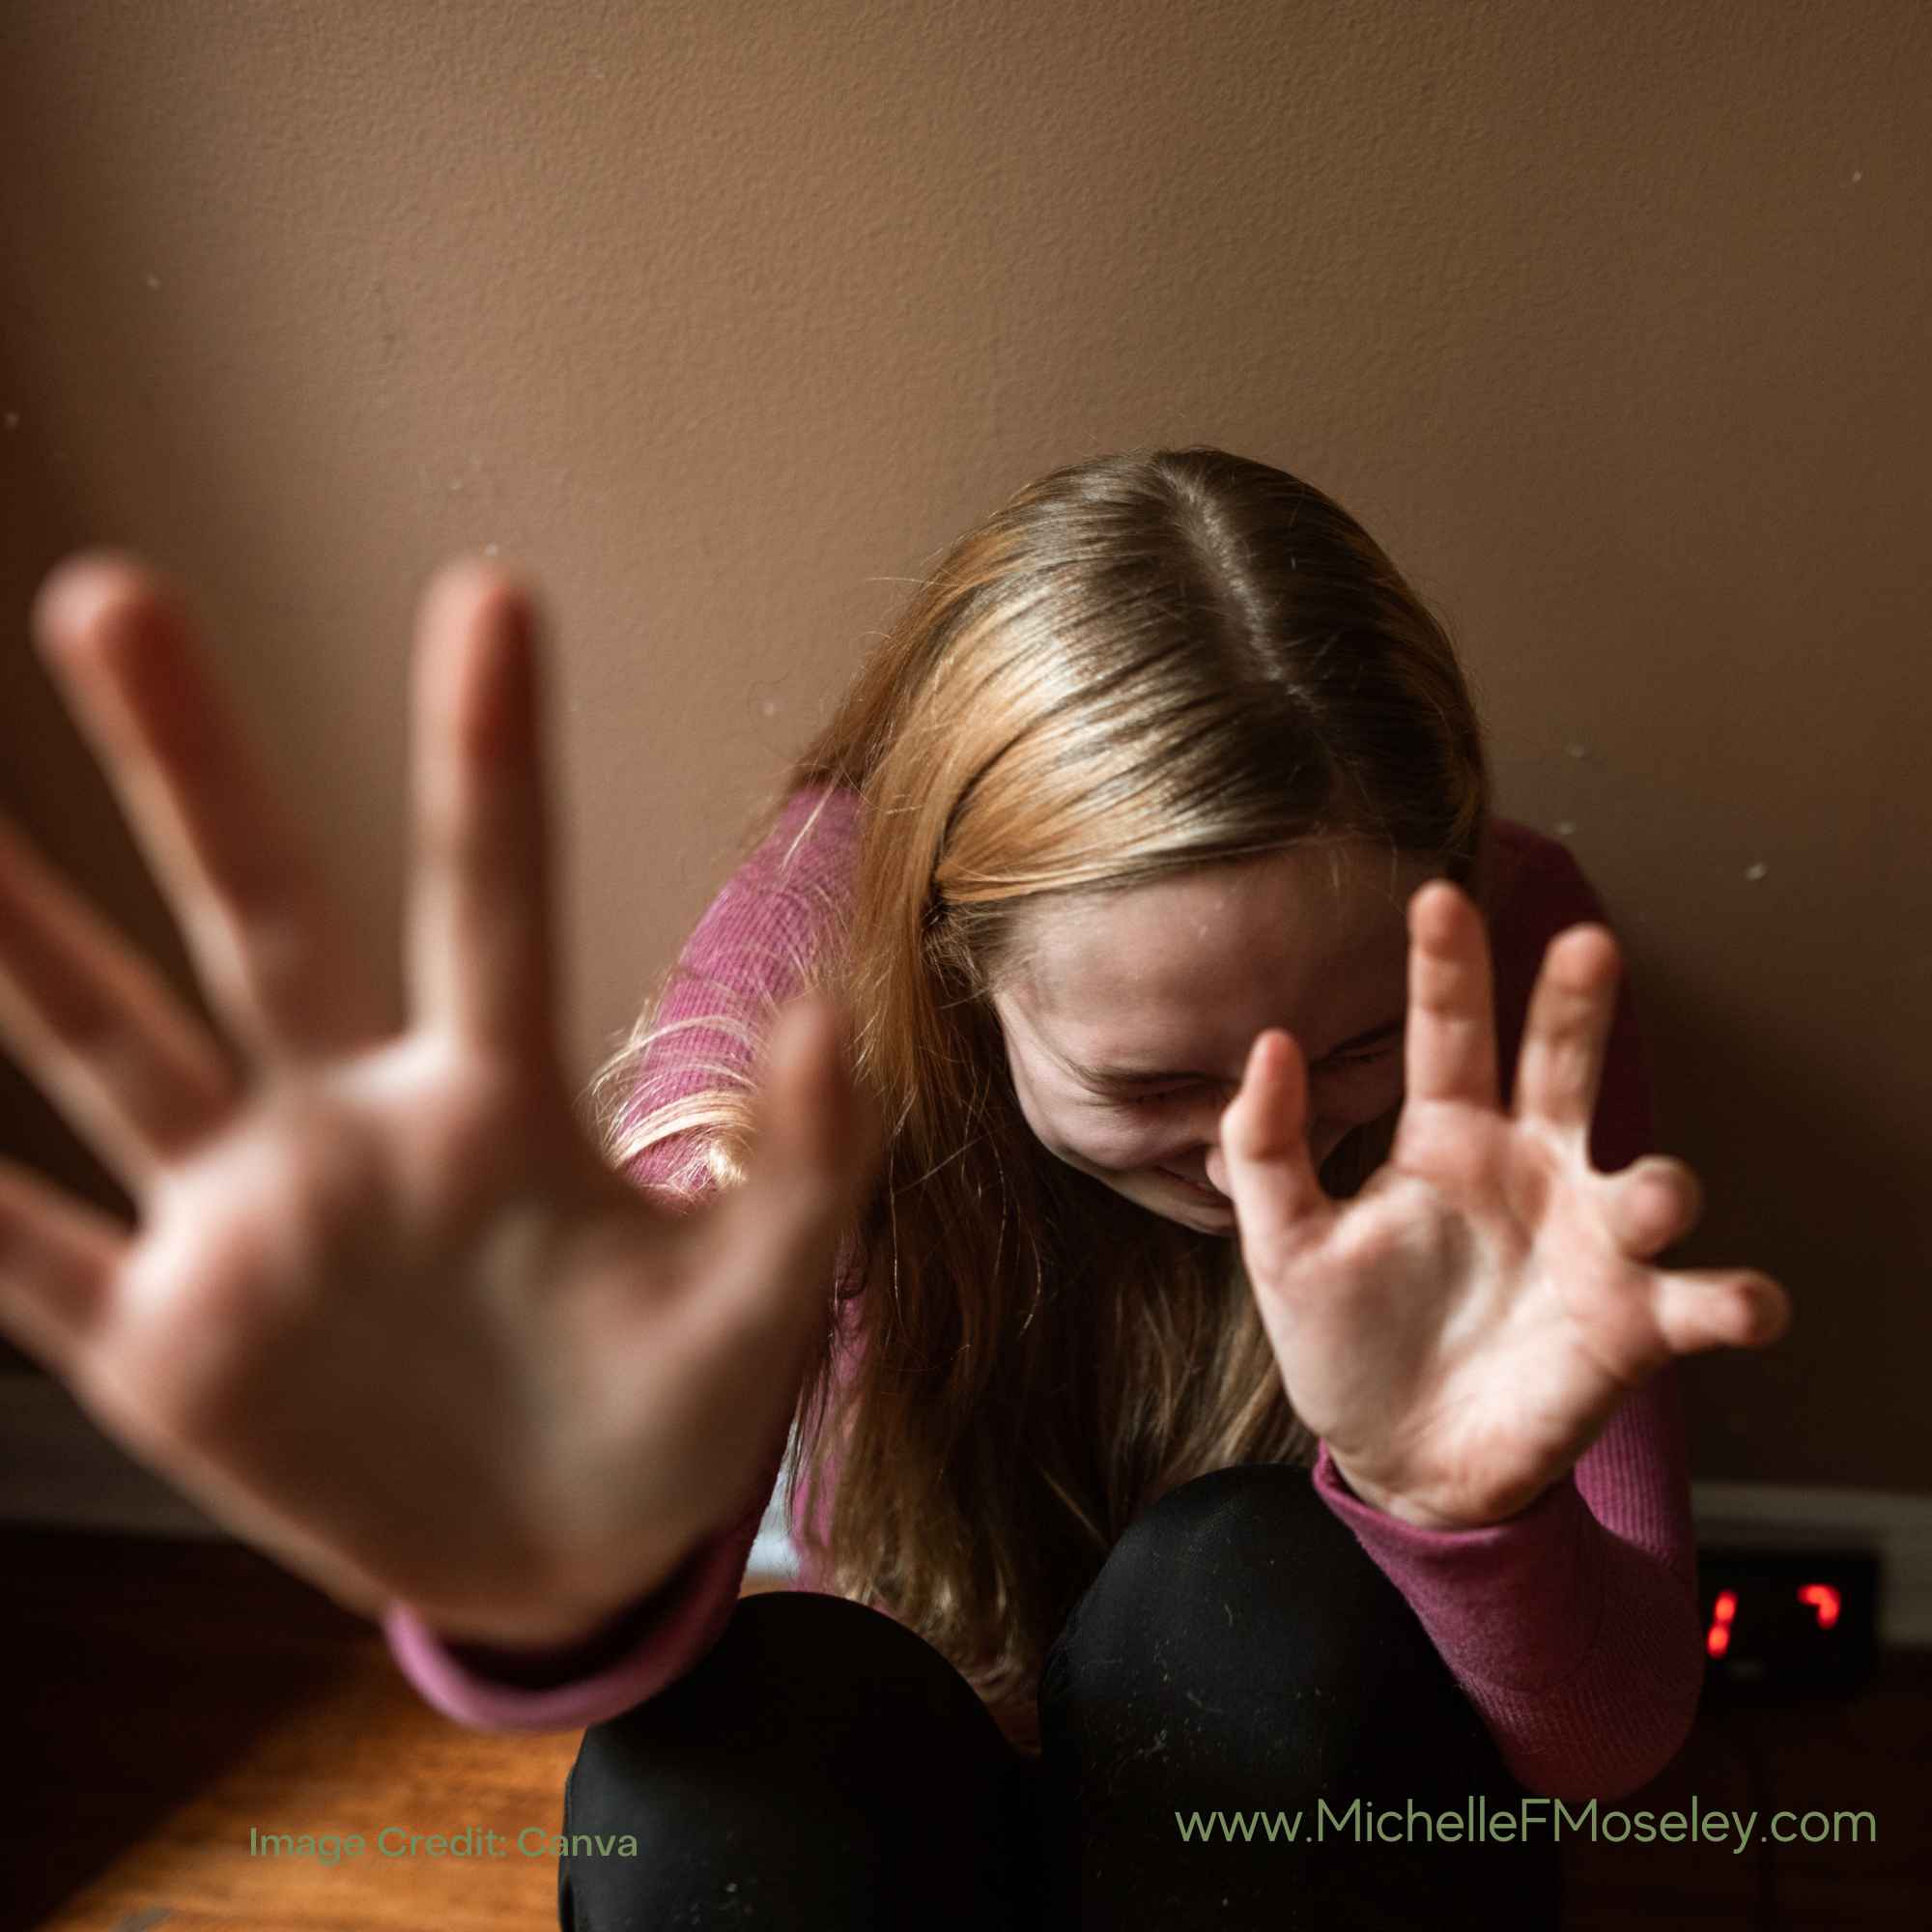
(1572, 1625)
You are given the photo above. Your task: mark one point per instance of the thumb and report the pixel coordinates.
(1279, 1203)
(819, 1134)
(771, 1242)
(815, 1118)
(1719, 1307)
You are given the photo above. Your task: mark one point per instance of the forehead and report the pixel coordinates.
(1288, 932)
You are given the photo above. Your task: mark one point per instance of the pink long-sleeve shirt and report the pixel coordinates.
(1572, 1627)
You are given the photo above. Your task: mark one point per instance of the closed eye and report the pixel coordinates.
(1151, 1100)
(1361, 1056)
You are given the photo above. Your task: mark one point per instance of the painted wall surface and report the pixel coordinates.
(719, 319)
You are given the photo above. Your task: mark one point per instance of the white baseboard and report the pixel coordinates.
(58, 1470)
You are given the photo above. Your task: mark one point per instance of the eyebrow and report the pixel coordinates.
(1127, 1076)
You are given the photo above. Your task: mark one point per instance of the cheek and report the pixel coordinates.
(1096, 1141)
(1055, 1127)
(1095, 1137)
(1136, 1141)
(1117, 1146)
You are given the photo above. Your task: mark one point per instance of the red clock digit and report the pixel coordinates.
(1823, 1600)
(1717, 1638)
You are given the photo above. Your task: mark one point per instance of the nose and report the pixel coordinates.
(1217, 1171)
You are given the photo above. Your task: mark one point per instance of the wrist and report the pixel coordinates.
(1412, 1509)
(563, 1619)
(540, 1662)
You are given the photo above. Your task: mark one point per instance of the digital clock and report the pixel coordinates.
(1785, 1619)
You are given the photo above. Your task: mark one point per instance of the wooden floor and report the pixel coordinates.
(165, 1698)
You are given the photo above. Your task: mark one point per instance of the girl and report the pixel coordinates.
(1192, 1221)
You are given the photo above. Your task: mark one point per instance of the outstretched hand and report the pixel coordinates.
(385, 1310)
(1463, 1328)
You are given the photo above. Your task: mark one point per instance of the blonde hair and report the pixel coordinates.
(1139, 663)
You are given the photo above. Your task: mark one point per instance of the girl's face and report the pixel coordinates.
(1129, 1034)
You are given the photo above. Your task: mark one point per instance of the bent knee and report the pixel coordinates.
(802, 1692)
(797, 1665)
(1259, 1530)
(783, 1751)
(1240, 1605)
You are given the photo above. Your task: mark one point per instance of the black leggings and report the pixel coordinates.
(823, 1767)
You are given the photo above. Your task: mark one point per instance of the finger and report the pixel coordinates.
(1279, 1204)
(818, 1140)
(479, 925)
(1568, 1026)
(1450, 1042)
(1719, 1307)
(57, 1259)
(97, 1029)
(1652, 1203)
(272, 954)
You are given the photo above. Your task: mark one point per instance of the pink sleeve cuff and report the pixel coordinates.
(677, 1623)
(1516, 1603)
(696, 1604)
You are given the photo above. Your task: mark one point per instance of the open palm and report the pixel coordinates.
(1460, 1330)
(385, 1312)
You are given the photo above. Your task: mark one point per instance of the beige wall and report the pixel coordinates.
(1610, 322)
